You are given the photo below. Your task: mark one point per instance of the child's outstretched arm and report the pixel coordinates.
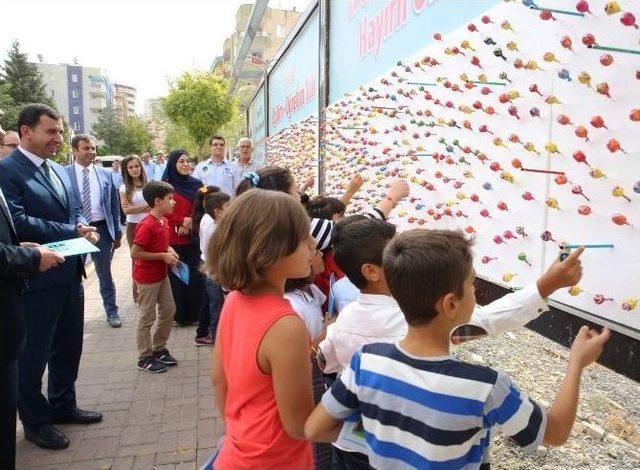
(399, 189)
(586, 349)
(518, 308)
(352, 188)
(284, 353)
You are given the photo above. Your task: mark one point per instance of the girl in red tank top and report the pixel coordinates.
(261, 370)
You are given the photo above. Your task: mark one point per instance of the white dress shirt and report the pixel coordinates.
(207, 227)
(344, 292)
(97, 214)
(38, 161)
(225, 175)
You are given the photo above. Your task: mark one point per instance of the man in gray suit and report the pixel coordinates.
(97, 195)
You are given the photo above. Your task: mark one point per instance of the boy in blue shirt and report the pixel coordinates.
(420, 407)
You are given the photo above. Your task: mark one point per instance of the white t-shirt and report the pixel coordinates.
(309, 307)
(207, 227)
(136, 200)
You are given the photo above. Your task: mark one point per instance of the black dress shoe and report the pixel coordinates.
(79, 416)
(46, 436)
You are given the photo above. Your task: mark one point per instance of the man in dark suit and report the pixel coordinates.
(17, 263)
(97, 195)
(41, 202)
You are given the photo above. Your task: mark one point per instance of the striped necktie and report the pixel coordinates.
(55, 182)
(86, 195)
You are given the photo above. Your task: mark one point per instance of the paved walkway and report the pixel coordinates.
(164, 421)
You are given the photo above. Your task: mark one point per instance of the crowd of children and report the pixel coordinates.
(310, 291)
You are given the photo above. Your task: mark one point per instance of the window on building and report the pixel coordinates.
(74, 77)
(76, 110)
(280, 31)
(76, 126)
(74, 94)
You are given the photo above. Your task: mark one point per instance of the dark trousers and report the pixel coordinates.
(102, 261)
(188, 299)
(8, 403)
(342, 460)
(55, 320)
(212, 301)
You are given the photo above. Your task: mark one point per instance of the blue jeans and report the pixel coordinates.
(210, 311)
(102, 262)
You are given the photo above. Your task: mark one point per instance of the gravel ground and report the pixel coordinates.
(607, 430)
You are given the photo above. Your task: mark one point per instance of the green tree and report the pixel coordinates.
(108, 129)
(198, 102)
(9, 120)
(25, 79)
(136, 137)
(177, 137)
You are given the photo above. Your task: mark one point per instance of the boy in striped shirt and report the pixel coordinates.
(420, 407)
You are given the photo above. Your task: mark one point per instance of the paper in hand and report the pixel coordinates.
(181, 271)
(72, 247)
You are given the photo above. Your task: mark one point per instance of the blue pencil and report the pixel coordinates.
(602, 245)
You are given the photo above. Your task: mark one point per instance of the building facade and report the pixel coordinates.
(79, 93)
(125, 102)
(276, 24)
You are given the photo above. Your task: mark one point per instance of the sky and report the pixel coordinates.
(141, 43)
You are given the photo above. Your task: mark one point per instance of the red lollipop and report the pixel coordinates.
(582, 132)
(619, 219)
(485, 213)
(516, 163)
(485, 90)
(514, 111)
(546, 15)
(437, 36)
(527, 196)
(628, 19)
(474, 197)
(613, 145)
(584, 210)
(567, 43)
(635, 115)
(503, 206)
(469, 229)
(561, 179)
(504, 98)
(580, 157)
(583, 6)
(563, 119)
(603, 89)
(472, 27)
(486, 20)
(606, 59)
(533, 88)
(475, 61)
(588, 39)
(598, 122)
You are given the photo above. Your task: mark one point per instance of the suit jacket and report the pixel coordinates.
(109, 199)
(16, 264)
(40, 215)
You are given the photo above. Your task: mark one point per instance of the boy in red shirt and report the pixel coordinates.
(152, 254)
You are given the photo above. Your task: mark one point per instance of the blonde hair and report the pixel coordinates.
(257, 230)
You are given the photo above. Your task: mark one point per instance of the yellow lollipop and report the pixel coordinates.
(575, 290)
(551, 99)
(551, 147)
(506, 26)
(619, 192)
(464, 77)
(448, 51)
(630, 304)
(552, 203)
(597, 173)
(402, 213)
(529, 147)
(533, 65)
(468, 174)
(514, 94)
(420, 148)
(585, 78)
(508, 177)
(461, 196)
(508, 277)
(611, 8)
(550, 57)
(499, 143)
(467, 109)
(467, 45)
(482, 78)
(512, 46)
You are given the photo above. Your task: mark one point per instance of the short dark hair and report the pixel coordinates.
(216, 137)
(423, 265)
(324, 207)
(156, 189)
(274, 178)
(360, 242)
(30, 115)
(215, 201)
(80, 138)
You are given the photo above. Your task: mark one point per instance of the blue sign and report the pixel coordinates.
(293, 94)
(369, 37)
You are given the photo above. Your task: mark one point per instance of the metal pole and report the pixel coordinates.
(323, 90)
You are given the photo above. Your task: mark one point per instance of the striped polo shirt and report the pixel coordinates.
(435, 413)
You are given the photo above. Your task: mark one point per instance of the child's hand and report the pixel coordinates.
(587, 346)
(170, 258)
(308, 183)
(561, 274)
(355, 184)
(398, 190)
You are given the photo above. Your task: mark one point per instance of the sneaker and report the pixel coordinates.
(165, 358)
(150, 364)
(114, 321)
(204, 341)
